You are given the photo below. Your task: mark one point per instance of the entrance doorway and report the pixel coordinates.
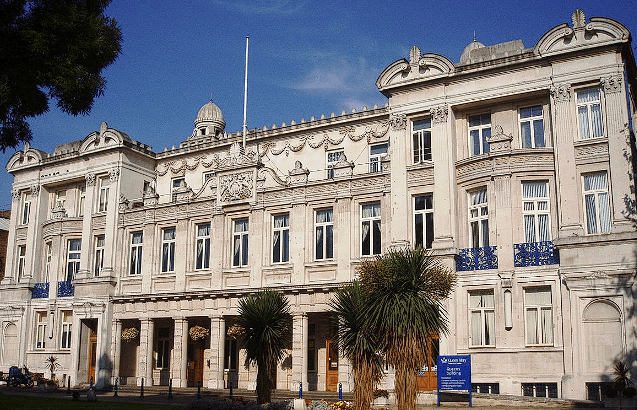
(195, 363)
(331, 367)
(92, 362)
(428, 374)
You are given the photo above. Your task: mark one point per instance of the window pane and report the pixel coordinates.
(525, 129)
(319, 242)
(376, 237)
(329, 242)
(538, 131)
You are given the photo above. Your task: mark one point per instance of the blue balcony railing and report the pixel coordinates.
(65, 289)
(535, 254)
(40, 291)
(477, 259)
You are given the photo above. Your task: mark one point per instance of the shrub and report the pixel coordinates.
(629, 392)
(610, 392)
(318, 405)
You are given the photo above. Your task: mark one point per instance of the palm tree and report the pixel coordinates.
(51, 364)
(266, 321)
(406, 288)
(357, 343)
(622, 379)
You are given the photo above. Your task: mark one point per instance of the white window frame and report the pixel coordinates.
(40, 334)
(534, 209)
(22, 261)
(376, 154)
(102, 198)
(533, 119)
(537, 331)
(589, 108)
(482, 130)
(73, 257)
(240, 242)
(331, 158)
(421, 140)
(202, 249)
(98, 261)
(136, 253)
(281, 234)
(66, 328)
(81, 199)
(369, 223)
(26, 209)
(479, 218)
(168, 243)
(601, 206)
(324, 234)
(426, 216)
(48, 257)
(486, 313)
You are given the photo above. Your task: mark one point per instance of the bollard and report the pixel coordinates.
(115, 388)
(300, 390)
(230, 383)
(340, 391)
(170, 389)
(68, 384)
(141, 390)
(90, 387)
(199, 390)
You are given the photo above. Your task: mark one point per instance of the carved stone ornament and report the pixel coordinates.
(299, 174)
(343, 168)
(236, 187)
(58, 211)
(612, 84)
(561, 93)
(90, 179)
(499, 141)
(439, 114)
(398, 122)
(35, 189)
(579, 19)
(15, 194)
(113, 174)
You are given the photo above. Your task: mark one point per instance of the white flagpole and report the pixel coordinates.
(245, 96)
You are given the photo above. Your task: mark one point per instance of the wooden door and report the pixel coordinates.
(331, 365)
(428, 374)
(92, 356)
(194, 373)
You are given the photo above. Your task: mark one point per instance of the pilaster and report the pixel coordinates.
(180, 353)
(89, 207)
(399, 152)
(299, 350)
(145, 365)
(215, 372)
(117, 348)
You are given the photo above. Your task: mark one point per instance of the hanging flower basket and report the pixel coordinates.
(235, 331)
(129, 334)
(198, 333)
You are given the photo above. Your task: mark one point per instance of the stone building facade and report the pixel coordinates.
(514, 165)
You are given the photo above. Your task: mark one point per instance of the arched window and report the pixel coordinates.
(602, 335)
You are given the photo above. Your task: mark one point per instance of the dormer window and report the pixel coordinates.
(202, 131)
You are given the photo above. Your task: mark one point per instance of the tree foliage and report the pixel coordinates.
(51, 49)
(266, 322)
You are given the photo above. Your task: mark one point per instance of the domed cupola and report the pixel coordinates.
(465, 58)
(209, 121)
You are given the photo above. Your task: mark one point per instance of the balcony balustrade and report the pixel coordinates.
(65, 289)
(40, 291)
(535, 254)
(477, 259)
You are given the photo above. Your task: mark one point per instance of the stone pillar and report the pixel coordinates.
(256, 247)
(145, 365)
(16, 214)
(110, 235)
(501, 197)
(117, 344)
(85, 256)
(299, 350)
(217, 345)
(344, 243)
(180, 353)
(34, 242)
(182, 240)
(149, 261)
(399, 152)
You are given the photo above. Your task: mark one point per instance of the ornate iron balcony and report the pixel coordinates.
(477, 259)
(535, 254)
(40, 291)
(65, 289)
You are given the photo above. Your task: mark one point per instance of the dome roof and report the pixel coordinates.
(210, 113)
(474, 45)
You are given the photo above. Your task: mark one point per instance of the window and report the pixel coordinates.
(73, 258)
(176, 184)
(324, 228)
(98, 263)
(596, 391)
(281, 239)
(488, 388)
(479, 131)
(67, 324)
(479, 219)
(40, 337)
(47, 263)
(539, 390)
(421, 132)
(203, 247)
(482, 317)
(376, 154)
(231, 354)
(168, 250)
(240, 242)
(162, 351)
(424, 220)
(536, 212)
(532, 127)
(332, 158)
(539, 316)
(60, 199)
(26, 209)
(597, 203)
(81, 200)
(137, 240)
(102, 203)
(22, 260)
(589, 113)
(370, 229)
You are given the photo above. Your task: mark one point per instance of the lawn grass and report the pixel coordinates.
(11, 402)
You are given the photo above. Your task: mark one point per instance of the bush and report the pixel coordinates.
(610, 392)
(239, 404)
(318, 405)
(630, 392)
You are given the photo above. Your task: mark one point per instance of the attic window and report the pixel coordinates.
(202, 131)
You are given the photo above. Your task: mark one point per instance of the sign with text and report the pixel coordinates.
(454, 373)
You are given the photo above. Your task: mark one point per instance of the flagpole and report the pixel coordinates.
(245, 96)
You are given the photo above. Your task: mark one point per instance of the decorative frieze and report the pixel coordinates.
(561, 93)
(439, 114)
(612, 84)
(35, 189)
(236, 187)
(398, 122)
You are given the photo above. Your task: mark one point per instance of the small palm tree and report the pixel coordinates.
(357, 342)
(622, 379)
(266, 322)
(406, 288)
(51, 364)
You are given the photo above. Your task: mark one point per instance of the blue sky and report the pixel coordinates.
(307, 58)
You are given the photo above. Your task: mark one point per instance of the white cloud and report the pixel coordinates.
(280, 7)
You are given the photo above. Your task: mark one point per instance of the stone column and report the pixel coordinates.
(180, 353)
(149, 250)
(117, 344)
(85, 256)
(399, 152)
(34, 242)
(299, 350)
(110, 235)
(145, 365)
(181, 244)
(217, 345)
(16, 212)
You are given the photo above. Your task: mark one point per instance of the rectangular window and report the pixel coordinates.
(324, 229)
(73, 258)
(281, 239)
(479, 219)
(176, 183)
(482, 318)
(589, 113)
(376, 154)
(22, 260)
(332, 159)
(40, 337)
(479, 132)
(370, 229)
(424, 221)
(67, 324)
(168, 250)
(47, 264)
(539, 390)
(421, 133)
(137, 241)
(539, 316)
(98, 263)
(240, 242)
(203, 247)
(81, 200)
(231, 354)
(162, 351)
(26, 209)
(487, 388)
(532, 127)
(536, 212)
(597, 203)
(102, 204)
